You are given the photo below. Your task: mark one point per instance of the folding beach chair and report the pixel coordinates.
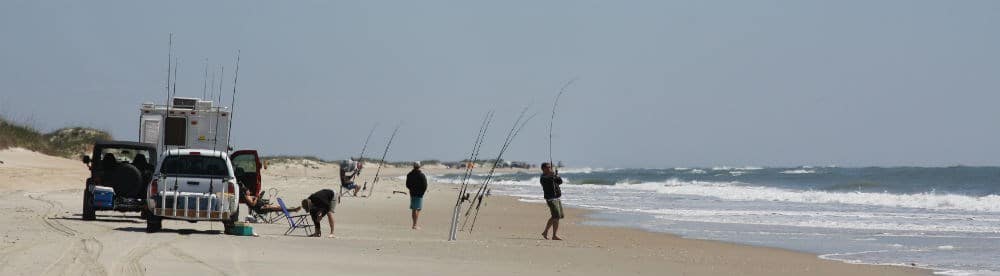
(295, 222)
(262, 216)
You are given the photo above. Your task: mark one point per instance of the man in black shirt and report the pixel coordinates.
(321, 204)
(550, 186)
(416, 182)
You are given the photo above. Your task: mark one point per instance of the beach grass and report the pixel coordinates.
(66, 142)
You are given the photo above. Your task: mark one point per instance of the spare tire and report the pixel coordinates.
(127, 181)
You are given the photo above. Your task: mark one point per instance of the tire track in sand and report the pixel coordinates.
(81, 256)
(133, 260)
(177, 252)
(79, 259)
(48, 218)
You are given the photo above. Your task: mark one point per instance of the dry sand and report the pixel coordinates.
(42, 234)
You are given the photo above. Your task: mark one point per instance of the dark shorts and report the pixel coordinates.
(416, 203)
(321, 208)
(349, 185)
(555, 208)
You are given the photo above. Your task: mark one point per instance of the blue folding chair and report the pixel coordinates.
(295, 222)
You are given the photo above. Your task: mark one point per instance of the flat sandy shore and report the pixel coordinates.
(42, 234)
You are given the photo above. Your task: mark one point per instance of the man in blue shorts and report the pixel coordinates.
(347, 180)
(416, 182)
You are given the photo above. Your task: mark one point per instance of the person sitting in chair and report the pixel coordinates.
(347, 181)
(260, 205)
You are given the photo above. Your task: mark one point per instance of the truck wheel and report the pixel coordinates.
(153, 223)
(88, 205)
(229, 223)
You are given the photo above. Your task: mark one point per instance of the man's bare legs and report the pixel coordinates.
(329, 217)
(415, 214)
(554, 224)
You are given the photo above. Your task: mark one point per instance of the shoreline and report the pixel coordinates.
(587, 218)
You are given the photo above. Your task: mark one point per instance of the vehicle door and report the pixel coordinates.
(247, 167)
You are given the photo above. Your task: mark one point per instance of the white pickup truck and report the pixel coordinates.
(192, 185)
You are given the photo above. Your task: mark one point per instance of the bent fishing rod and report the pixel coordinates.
(553, 118)
(381, 162)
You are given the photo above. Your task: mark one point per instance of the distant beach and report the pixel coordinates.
(43, 235)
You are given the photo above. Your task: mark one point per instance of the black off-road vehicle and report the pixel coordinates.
(119, 173)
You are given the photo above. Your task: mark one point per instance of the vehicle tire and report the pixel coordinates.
(233, 218)
(153, 223)
(88, 205)
(127, 181)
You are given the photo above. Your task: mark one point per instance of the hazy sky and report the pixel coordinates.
(662, 83)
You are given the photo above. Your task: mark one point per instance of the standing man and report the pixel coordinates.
(347, 181)
(321, 204)
(550, 186)
(416, 182)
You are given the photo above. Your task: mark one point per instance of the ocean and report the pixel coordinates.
(946, 219)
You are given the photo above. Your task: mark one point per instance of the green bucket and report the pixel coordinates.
(240, 229)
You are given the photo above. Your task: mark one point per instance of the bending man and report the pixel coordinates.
(321, 204)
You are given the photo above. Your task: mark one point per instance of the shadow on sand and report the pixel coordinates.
(177, 231)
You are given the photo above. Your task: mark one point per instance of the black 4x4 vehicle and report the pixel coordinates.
(119, 172)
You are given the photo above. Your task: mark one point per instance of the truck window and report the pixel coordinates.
(194, 165)
(176, 132)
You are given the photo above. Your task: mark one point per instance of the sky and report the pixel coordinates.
(660, 83)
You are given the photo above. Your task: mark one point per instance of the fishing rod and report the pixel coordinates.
(364, 148)
(204, 84)
(382, 162)
(484, 126)
(215, 144)
(211, 91)
(222, 76)
(232, 114)
(361, 158)
(491, 174)
(170, 59)
(553, 118)
(177, 63)
(484, 188)
(473, 157)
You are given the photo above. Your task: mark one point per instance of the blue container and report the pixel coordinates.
(104, 197)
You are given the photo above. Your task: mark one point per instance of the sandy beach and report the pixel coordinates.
(42, 234)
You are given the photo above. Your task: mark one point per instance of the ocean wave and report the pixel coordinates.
(737, 192)
(747, 168)
(583, 170)
(799, 171)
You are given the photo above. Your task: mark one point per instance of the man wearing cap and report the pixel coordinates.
(347, 181)
(416, 182)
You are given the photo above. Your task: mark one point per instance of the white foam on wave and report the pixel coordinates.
(736, 192)
(726, 168)
(967, 273)
(832, 220)
(584, 170)
(799, 171)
